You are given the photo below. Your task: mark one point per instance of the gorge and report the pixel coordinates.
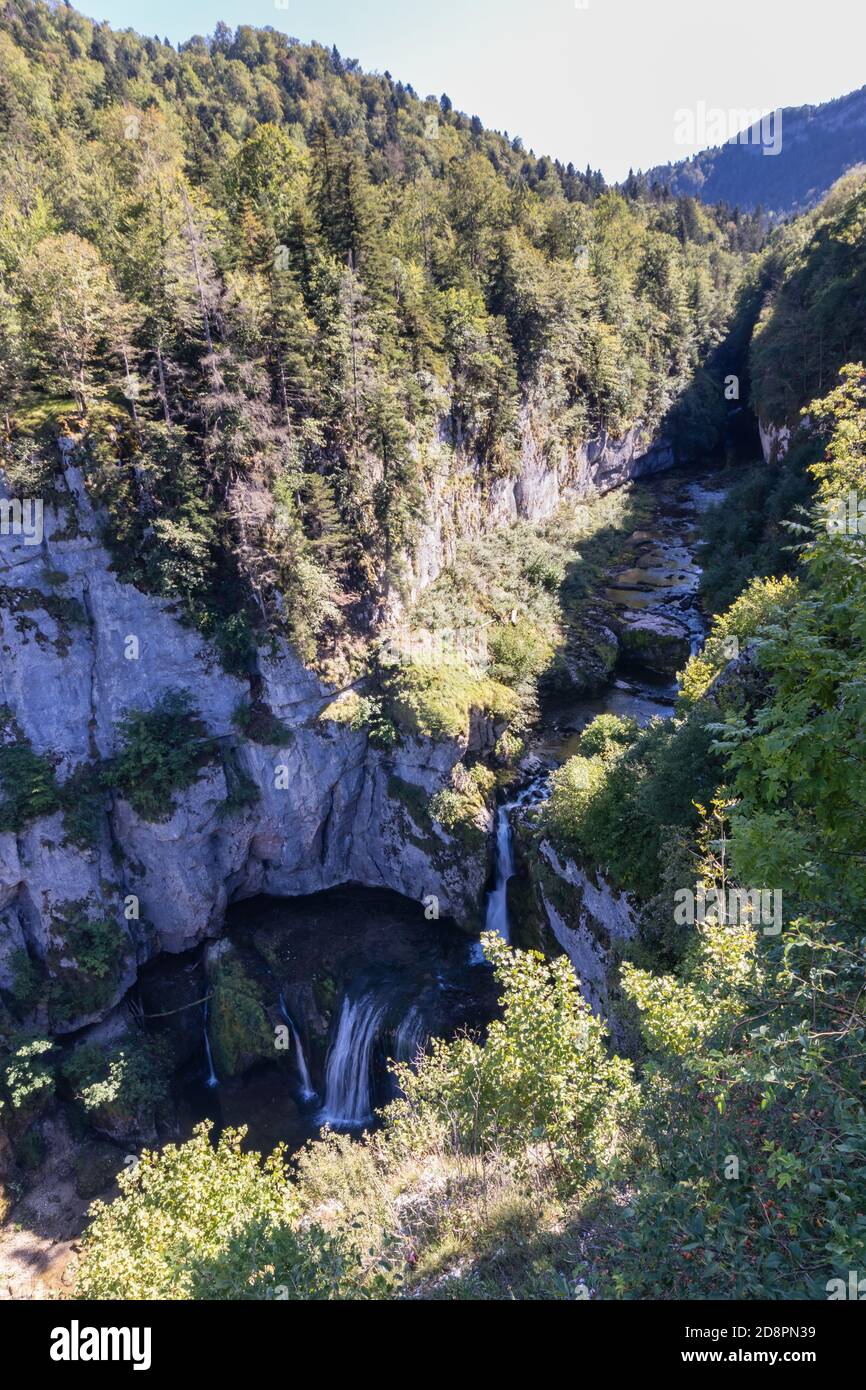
(417, 582)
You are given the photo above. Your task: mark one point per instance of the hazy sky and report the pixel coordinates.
(593, 81)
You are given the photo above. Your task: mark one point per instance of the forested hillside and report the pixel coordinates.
(255, 287)
(818, 145)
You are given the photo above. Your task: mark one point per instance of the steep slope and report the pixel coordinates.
(818, 145)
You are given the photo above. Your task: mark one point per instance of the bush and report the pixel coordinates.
(763, 602)
(120, 1088)
(98, 947)
(27, 1076)
(519, 651)
(82, 798)
(544, 1075)
(28, 788)
(436, 701)
(27, 981)
(204, 1221)
(239, 1030)
(618, 812)
(164, 749)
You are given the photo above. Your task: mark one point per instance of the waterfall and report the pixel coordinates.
(497, 899)
(348, 1098)
(410, 1037)
(496, 918)
(307, 1091)
(212, 1078)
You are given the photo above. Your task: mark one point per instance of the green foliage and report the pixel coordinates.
(799, 818)
(362, 712)
(814, 322)
(618, 808)
(208, 1221)
(85, 963)
(238, 1025)
(27, 980)
(28, 788)
(760, 1174)
(762, 603)
(519, 652)
(27, 1075)
(542, 1076)
(462, 808)
(275, 305)
(118, 1088)
(748, 534)
(752, 1098)
(164, 750)
(436, 700)
(82, 797)
(606, 736)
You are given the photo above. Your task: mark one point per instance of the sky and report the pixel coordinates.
(601, 82)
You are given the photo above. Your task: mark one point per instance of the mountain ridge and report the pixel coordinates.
(792, 181)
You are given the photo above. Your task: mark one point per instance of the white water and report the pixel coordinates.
(307, 1090)
(410, 1037)
(496, 917)
(348, 1103)
(497, 899)
(212, 1078)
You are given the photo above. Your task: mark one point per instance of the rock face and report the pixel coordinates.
(327, 811)
(776, 440)
(324, 815)
(591, 922)
(458, 507)
(661, 643)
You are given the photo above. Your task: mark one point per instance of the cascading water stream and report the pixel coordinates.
(212, 1078)
(496, 917)
(308, 1091)
(348, 1089)
(497, 899)
(410, 1037)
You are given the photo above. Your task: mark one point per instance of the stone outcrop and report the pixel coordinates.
(774, 441)
(324, 815)
(591, 923)
(657, 641)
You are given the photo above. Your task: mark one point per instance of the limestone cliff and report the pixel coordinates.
(326, 811)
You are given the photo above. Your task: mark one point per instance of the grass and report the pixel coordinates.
(447, 1227)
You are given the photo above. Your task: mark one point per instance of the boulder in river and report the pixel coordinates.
(659, 642)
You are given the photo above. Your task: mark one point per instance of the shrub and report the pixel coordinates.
(239, 1030)
(204, 1221)
(98, 947)
(27, 980)
(27, 1075)
(164, 749)
(118, 1088)
(619, 812)
(544, 1074)
(762, 603)
(28, 788)
(436, 701)
(519, 651)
